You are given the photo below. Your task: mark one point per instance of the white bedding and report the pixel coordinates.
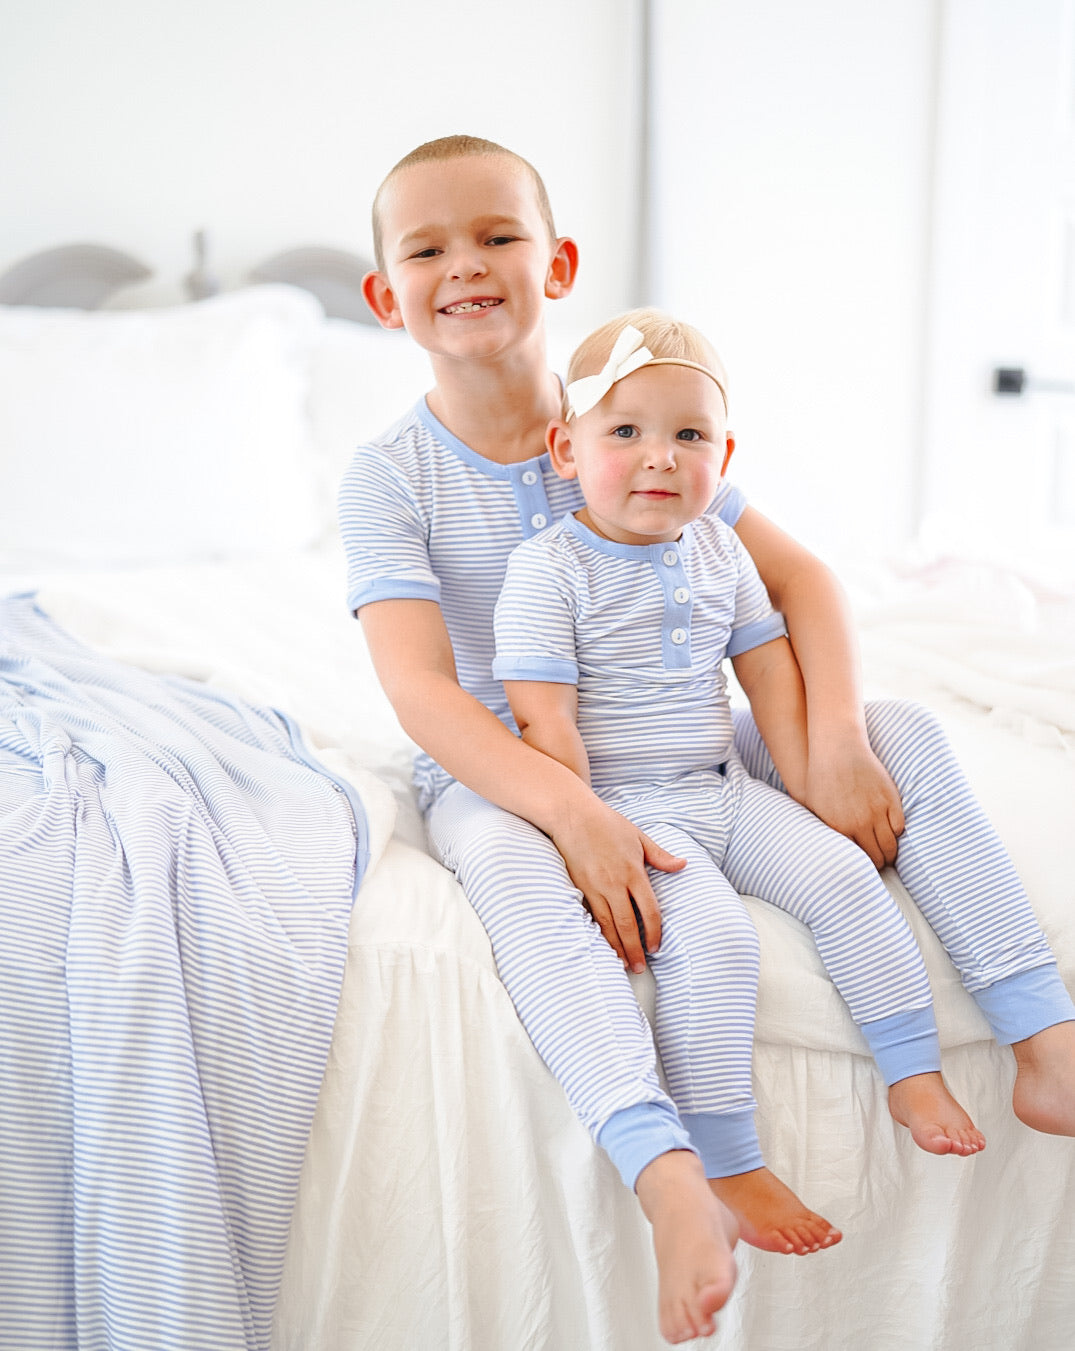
(449, 1200)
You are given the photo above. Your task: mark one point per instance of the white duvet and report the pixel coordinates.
(449, 1199)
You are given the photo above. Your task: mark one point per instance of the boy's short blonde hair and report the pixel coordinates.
(666, 338)
(449, 148)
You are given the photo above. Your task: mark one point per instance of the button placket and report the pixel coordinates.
(531, 500)
(667, 562)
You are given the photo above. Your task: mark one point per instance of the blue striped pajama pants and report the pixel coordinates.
(578, 1006)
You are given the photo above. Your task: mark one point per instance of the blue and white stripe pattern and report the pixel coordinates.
(424, 517)
(955, 869)
(176, 879)
(642, 631)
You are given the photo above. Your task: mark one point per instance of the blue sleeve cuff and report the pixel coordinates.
(554, 670)
(756, 634)
(389, 588)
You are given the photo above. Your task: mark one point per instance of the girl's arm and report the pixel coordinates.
(606, 856)
(846, 785)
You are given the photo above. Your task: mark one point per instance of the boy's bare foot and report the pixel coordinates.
(1044, 1094)
(936, 1121)
(693, 1237)
(771, 1216)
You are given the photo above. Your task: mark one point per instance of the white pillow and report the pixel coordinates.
(149, 436)
(363, 380)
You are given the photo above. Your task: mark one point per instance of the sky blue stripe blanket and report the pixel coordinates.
(176, 880)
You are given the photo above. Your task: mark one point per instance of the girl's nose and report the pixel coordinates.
(661, 454)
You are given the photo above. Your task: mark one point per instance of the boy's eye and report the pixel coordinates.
(502, 239)
(688, 434)
(431, 252)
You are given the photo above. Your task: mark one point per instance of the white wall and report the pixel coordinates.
(793, 147)
(792, 198)
(271, 122)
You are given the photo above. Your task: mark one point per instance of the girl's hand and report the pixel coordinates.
(606, 857)
(851, 791)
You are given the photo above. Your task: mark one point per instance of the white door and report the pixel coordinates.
(999, 469)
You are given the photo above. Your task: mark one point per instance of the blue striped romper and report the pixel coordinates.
(422, 516)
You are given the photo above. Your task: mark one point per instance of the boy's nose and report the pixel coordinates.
(465, 264)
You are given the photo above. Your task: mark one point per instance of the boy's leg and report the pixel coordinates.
(956, 870)
(567, 984)
(576, 1002)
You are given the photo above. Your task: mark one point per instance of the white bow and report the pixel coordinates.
(626, 356)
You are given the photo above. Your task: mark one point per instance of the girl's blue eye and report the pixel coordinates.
(623, 432)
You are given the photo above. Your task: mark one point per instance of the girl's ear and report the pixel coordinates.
(729, 447)
(563, 268)
(381, 299)
(558, 444)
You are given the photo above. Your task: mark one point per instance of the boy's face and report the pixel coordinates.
(649, 457)
(468, 258)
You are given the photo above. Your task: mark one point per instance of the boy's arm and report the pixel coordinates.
(606, 856)
(846, 785)
(773, 683)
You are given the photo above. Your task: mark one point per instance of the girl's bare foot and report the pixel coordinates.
(936, 1121)
(771, 1216)
(1044, 1094)
(693, 1237)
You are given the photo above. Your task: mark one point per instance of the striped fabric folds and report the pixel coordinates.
(176, 879)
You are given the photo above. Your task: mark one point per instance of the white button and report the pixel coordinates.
(670, 557)
(679, 636)
(529, 477)
(681, 595)
(538, 521)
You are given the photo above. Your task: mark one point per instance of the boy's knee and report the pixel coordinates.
(896, 725)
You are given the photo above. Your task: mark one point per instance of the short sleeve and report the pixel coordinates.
(384, 534)
(729, 503)
(755, 622)
(534, 620)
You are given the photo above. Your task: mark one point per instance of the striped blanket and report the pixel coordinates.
(176, 880)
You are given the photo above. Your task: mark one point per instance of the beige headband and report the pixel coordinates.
(627, 356)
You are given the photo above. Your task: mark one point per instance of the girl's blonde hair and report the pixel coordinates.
(668, 339)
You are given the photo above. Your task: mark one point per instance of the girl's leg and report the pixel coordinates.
(783, 854)
(706, 974)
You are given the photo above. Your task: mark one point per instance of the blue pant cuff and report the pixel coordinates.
(636, 1135)
(904, 1044)
(1019, 1006)
(727, 1142)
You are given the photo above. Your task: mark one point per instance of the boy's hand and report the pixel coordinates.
(851, 791)
(606, 857)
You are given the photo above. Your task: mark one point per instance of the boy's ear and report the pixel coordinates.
(563, 268)
(558, 444)
(381, 299)
(729, 447)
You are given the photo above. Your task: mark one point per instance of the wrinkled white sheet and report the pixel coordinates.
(449, 1200)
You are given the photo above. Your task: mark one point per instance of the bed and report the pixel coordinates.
(167, 511)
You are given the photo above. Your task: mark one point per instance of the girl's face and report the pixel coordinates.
(649, 457)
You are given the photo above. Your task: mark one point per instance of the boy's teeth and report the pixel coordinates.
(469, 305)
